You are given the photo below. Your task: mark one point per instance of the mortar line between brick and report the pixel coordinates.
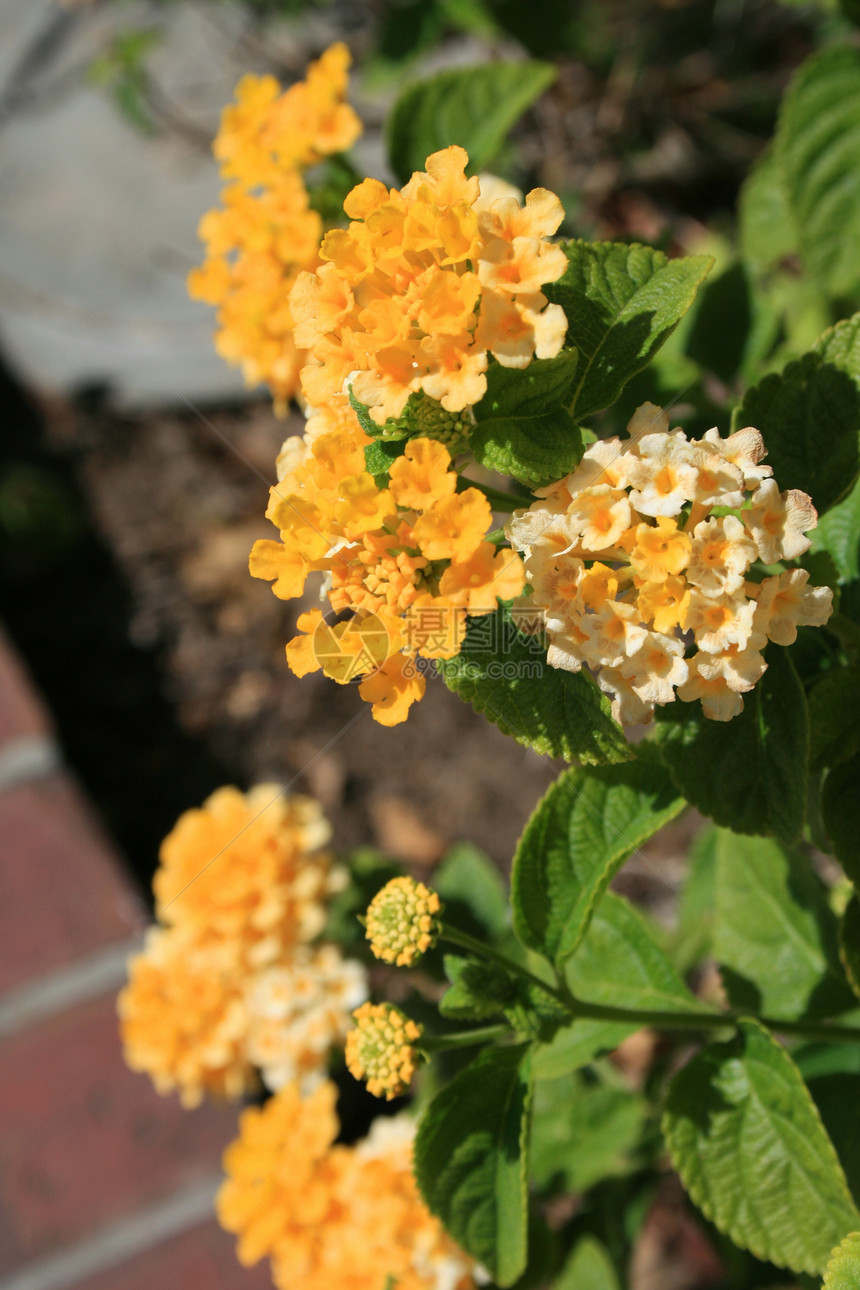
(98, 973)
(32, 757)
(119, 1242)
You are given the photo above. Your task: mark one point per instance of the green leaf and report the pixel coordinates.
(843, 1270)
(834, 717)
(380, 456)
(583, 1131)
(818, 152)
(475, 895)
(588, 1268)
(832, 1075)
(766, 225)
(577, 1045)
(471, 106)
(838, 533)
(750, 773)
(504, 674)
(809, 416)
(840, 811)
(849, 942)
(478, 989)
(471, 1159)
(694, 939)
(619, 963)
(777, 939)
(522, 427)
(622, 302)
(576, 839)
(752, 1152)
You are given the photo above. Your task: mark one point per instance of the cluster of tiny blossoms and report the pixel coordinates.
(229, 982)
(330, 1215)
(639, 562)
(403, 921)
(381, 1050)
(424, 284)
(411, 560)
(265, 232)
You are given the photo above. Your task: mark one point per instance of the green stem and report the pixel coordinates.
(691, 1020)
(467, 942)
(461, 1039)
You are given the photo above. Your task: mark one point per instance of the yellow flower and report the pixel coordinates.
(453, 527)
(658, 550)
(403, 921)
(422, 475)
(484, 578)
(247, 869)
(298, 1011)
(333, 1216)
(183, 1019)
(392, 689)
(380, 1049)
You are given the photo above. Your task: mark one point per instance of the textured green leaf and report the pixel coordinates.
(694, 939)
(767, 230)
(471, 106)
(380, 456)
(523, 427)
(576, 1046)
(840, 811)
(834, 717)
(588, 1268)
(849, 942)
(752, 1152)
(474, 892)
(776, 938)
(579, 835)
(809, 416)
(749, 774)
(818, 152)
(838, 533)
(478, 989)
(622, 302)
(843, 1270)
(504, 674)
(583, 1131)
(619, 963)
(471, 1159)
(831, 1072)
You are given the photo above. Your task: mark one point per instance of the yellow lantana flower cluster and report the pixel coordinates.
(381, 1049)
(424, 284)
(330, 1215)
(403, 921)
(639, 559)
(229, 982)
(410, 560)
(266, 233)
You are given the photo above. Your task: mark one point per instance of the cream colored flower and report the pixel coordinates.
(720, 555)
(719, 621)
(656, 668)
(739, 668)
(719, 701)
(787, 602)
(598, 516)
(778, 522)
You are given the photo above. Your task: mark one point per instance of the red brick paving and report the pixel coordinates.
(64, 894)
(85, 1139)
(202, 1259)
(85, 1142)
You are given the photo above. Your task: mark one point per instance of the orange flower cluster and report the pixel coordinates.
(265, 234)
(331, 1215)
(424, 284)
(410, 560)
(630, 561)
(229, 982)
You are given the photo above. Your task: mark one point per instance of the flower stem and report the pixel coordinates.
(694, 1019)
(461, 1039)
(467, 942)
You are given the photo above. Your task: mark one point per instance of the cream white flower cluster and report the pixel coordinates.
(639, 559)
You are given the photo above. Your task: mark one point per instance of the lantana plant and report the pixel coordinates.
(495, 491)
